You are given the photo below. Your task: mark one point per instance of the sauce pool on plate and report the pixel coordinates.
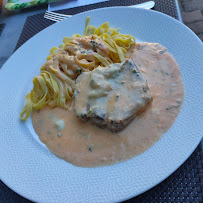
(83, 144)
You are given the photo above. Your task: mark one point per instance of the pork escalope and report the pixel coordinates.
(111, 96)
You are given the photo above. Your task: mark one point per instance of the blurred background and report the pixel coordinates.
(192, 14)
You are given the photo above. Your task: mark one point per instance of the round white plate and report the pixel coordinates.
(35, 173)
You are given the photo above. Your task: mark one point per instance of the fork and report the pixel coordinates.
(57, 17)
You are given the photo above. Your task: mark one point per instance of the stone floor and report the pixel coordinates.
(192, 14)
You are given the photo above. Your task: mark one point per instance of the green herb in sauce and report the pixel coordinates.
(59, 134)
(49, 132)
(168, 108)
(117, 96)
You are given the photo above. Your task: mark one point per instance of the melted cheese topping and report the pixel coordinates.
(111, 96)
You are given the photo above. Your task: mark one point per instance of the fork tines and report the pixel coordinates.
(55, 16)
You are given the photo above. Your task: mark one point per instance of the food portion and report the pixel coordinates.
(111, 96)
(86, 145)
(55, 85)
(102, 98)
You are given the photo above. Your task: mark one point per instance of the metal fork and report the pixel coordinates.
(59, 17)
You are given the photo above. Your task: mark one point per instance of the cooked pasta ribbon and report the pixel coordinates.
(87, 23)
(80, 53)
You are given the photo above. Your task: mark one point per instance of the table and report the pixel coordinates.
(14, 23)
(185, 183)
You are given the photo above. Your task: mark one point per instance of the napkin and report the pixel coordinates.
(64, 4)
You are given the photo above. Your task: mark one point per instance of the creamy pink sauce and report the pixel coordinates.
(86, 145)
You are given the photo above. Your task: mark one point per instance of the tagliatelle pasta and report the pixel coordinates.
(80, 53)
(47, 90)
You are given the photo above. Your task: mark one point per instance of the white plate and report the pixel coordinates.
(35, 173)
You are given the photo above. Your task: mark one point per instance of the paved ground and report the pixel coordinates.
(192, 13)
